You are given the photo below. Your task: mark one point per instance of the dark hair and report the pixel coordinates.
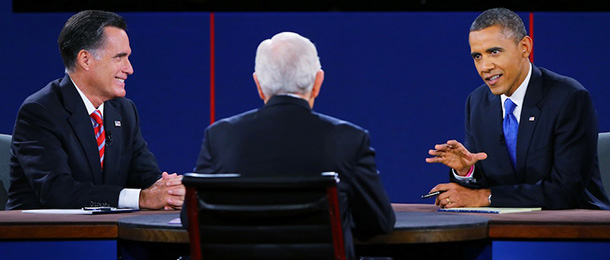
(85, 31)
(510, 22)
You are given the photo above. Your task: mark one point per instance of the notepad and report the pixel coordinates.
(490, 210)
(79, 211)
(175, 221)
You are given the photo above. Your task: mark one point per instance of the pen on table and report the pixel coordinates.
(432, 194)
(98, 208)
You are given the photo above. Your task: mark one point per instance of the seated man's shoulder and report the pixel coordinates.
(235, 120)
(341, 125)
(121, 102)
(46, 95)
(560, 82)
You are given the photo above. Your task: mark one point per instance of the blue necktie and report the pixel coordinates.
(510, 127)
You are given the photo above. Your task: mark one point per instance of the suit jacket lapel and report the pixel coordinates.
(493, 121)
(112, 124)
(529, 118)
(80, 122)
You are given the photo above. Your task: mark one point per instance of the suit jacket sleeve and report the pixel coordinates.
(478, 181)
(144, 170)
(204, 161)
(372, 211)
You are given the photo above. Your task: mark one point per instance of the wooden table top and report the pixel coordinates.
(153, 228)
(571, 224)
(15, 224)
(416, 223)
(411, 227)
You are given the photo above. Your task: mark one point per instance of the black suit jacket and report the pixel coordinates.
(286, 137)
(55, 161)
(557, 165)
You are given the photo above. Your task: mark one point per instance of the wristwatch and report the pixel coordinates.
(489, 199)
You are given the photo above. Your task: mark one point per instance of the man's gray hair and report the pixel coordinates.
(510, 22)
(286, 64)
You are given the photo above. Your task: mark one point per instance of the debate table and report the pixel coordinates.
(421, 223)
(579, 224)
(410, 227)
(16, 225)
(418, 227)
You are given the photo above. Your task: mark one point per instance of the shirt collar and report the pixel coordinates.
(286, 99)
(290, 94)
(88, 104)
(519, 95)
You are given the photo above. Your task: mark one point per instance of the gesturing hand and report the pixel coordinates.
(455, 155)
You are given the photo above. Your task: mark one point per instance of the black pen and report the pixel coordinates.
(432, 194)
(98, 208)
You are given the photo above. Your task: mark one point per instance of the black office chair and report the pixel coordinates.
(603, 153)
(237, 217)
(5, 156)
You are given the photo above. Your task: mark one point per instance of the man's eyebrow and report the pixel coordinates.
(120, 55)
(492, 49)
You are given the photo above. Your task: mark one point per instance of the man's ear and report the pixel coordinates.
(527, 45)
(258, 87)
(317, 84)
(84, 59)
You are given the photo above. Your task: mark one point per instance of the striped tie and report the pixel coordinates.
(100, 135)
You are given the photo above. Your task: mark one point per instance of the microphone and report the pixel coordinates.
(502, 140)
(108, 139)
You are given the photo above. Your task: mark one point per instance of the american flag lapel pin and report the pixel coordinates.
(118, 123)
(532, 119)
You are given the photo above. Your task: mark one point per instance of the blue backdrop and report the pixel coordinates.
(404, 76)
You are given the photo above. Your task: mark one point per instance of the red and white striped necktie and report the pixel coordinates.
(100, 135)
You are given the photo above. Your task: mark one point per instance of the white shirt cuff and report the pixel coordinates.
(467, 178)
(129, 198)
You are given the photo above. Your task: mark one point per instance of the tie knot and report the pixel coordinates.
(509, 106)
(97, 117)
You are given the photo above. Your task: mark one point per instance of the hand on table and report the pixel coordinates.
(456, 196)
(166, 193)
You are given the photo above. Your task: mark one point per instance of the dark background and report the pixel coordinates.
(301, 5)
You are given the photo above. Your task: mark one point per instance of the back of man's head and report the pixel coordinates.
(85, 31)
(508, 20)
(286, 64)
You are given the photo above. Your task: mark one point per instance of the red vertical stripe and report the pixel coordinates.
(212, 73)
(532, 35)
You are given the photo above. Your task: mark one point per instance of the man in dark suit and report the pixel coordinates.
(286, 137)
(534, 131)
(77, 141)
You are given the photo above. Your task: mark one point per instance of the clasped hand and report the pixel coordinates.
(166, 193)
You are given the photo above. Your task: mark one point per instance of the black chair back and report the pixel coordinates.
(5, 169)
(603, 153)
(264, 217)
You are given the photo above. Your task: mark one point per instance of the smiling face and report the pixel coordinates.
(110, 68)
(501, 62)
